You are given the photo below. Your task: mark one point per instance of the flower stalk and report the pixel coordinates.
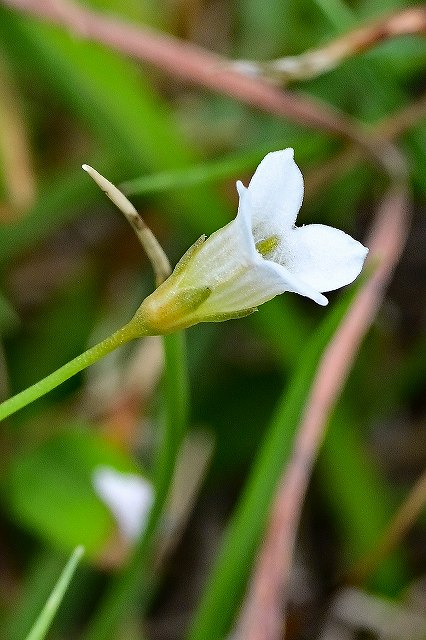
(82, 361)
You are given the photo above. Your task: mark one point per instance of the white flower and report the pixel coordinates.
(128, 496)
(257, 256)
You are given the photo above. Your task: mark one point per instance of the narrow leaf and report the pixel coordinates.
(43, 622)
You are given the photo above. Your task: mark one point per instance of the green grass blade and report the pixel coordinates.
(338, 13)
(224, 591)
(198, 174)
(232, 165)
(113, 98)
(43, 622)
(356, 486)
(70, 195)
(37, 586)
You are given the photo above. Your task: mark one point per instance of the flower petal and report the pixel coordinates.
(128, 496)
(259, 282)
(276, 194)
(323, 257)
(295, 284)
(225, 252)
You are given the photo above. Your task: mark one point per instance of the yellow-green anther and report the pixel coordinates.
(267, 245)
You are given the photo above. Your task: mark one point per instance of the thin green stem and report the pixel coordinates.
(20, 400)
(43, 622)
(176, 408)
(125, 588)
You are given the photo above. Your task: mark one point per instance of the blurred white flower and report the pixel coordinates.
(257, 256)
(128, 496)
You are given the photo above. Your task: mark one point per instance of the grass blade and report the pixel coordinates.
(224, 591)
(43, 622)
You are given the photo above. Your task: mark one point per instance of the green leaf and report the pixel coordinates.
(49, 489)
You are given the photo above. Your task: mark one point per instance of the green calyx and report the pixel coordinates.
(229, 315)
(190, 253)
(188, 300)
(168, 309)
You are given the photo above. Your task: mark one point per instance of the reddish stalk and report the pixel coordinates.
(401, 522)
(314, 62)
(262, 615)
(194, 64)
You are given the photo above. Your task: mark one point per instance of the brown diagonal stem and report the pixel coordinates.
(390, 127)
(404, 518)
(197, 65)
(318, 61)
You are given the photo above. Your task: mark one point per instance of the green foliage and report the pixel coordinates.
(49, 489)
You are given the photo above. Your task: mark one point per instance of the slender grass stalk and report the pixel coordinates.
(43, 622)
(224, 590)
(124, 590)
(176, 405)
(84, 360)
(42, 572)
(396, 529)
(204, 173)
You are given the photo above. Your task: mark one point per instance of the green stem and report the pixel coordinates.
(20, 400)
(43, 622)
(35, 590)
(176, 408)
(124, 590)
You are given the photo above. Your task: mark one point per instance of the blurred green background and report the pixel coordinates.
(72, 271)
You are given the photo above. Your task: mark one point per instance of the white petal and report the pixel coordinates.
(323, 257)
(128, 496)
(225, 252)
(295, 284)
(276, 194)
(259, 282)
